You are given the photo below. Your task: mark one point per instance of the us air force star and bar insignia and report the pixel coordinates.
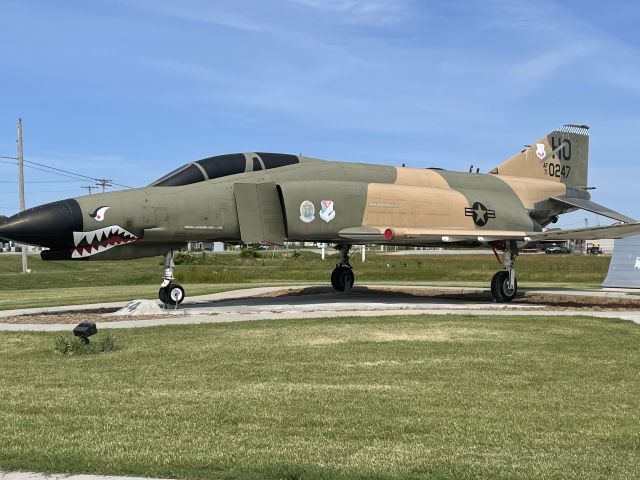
(307, 211)
(480, 214)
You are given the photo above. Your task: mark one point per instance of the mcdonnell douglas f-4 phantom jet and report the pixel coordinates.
(272, 197)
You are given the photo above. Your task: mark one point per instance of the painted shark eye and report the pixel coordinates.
(99, 213)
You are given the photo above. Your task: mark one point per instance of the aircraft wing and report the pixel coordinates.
(620, 230)
(368, 234)
(594, 207)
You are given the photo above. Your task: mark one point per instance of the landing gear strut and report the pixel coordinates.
(170, 293)
(342, 277)
(504, 285)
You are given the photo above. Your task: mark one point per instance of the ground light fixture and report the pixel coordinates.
(84, 331)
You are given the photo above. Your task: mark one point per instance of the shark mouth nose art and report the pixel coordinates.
(100, 240)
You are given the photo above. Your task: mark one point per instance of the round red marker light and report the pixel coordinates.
(388, 234)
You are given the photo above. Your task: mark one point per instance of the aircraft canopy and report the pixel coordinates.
(224, 166)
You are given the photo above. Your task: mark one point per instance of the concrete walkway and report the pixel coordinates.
(247, 305)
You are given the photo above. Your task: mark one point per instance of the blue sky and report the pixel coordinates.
(130, 89)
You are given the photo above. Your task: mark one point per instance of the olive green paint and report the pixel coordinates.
(286, 203)
(496, 195)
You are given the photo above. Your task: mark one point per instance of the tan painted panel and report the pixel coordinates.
(527, 164)
(420, 177)
(533, 190)
(566, 163)
(410, 206)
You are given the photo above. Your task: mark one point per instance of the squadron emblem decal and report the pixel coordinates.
(480, 214)
(327, 213)
(307, 211)
(99, 212)
(540, 151)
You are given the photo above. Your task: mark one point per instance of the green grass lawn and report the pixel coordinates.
(64, 283)
(389, 397)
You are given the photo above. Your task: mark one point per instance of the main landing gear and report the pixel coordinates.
(504, 285)
(170, 293)
(342, 277)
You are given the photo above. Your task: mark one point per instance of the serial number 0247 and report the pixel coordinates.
(557, 170)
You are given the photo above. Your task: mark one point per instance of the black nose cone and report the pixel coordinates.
(50, 225)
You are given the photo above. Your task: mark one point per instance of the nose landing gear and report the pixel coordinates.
(342, 277)
(170, 293)
(504, 285)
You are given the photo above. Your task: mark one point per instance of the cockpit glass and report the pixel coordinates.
(182, 176)
(223, 166)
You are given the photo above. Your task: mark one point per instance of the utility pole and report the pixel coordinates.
(89, 188)
(21, 189)
(104, 182)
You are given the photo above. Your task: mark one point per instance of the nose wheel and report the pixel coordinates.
(170, 293)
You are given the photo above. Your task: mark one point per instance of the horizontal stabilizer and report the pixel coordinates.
(594, 207)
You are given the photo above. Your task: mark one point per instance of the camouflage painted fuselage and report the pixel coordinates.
(259, 197)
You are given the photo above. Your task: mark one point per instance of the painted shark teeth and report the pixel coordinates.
(100, 240)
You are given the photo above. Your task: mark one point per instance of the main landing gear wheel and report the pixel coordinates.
(172, 294)
(501, 290)
(341, 277)
(504, 285)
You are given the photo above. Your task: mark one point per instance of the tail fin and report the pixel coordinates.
(562, 155)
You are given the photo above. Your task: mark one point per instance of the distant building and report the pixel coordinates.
(7, 247)
(206, 246)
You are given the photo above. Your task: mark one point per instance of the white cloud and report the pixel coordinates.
(378, 12)
(224, 14)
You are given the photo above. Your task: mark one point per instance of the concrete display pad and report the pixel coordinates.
(291, 302)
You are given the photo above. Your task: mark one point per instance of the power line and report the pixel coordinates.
(104, 182)
(55, 173)
(61, 171)
(43, 181)
(42, 191)
(100, 181)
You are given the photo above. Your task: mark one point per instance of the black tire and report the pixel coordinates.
(161, 296)
(334, 278)
(500, 287)
(173, 294)
(340, 276)
(345, 276)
